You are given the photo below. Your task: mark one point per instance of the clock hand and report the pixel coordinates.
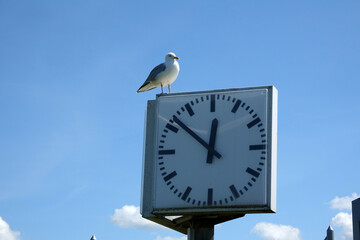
(211, 149)
(194, 135)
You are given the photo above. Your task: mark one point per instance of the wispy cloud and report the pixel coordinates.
(171, 238)
(129, 216)
(270, 231)
(6, 233)
(343, 203)
(344, 220)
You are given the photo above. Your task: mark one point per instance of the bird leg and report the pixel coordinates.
(162, 92)
(169, 88)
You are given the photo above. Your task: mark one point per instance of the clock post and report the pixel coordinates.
(209, 157)
(202, 229)
(197, 233)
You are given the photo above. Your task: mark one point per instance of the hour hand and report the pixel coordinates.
(196, 137)
(211, 149)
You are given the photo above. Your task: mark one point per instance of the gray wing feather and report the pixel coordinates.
(158, 69)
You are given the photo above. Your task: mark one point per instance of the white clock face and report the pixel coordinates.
(211, 149)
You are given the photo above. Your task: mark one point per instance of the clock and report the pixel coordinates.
(213, 151)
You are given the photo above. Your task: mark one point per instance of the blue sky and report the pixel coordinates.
(71, 122)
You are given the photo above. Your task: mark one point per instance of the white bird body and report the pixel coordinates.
(169, 75)
(162, 75)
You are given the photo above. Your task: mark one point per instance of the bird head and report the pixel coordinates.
(171, 57)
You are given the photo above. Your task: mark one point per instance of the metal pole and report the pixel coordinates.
(201, 229)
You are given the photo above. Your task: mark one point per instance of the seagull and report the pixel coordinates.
(162, 75)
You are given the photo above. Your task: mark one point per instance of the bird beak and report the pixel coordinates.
(177, 58)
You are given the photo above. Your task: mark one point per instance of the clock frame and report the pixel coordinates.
(210, 152)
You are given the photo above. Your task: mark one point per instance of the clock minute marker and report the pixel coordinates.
(234, 191)
(186, 193)
(167, 152)
(210, 196)
(236, 106)
(252, 172)
(172, 128)
(212, 103)
(253, 123)
(257, 147)
(170, 176)
(189, 110)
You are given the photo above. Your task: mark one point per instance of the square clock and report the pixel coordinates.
(210, 152)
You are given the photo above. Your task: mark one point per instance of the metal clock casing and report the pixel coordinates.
(211, 152)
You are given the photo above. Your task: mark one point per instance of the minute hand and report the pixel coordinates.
(194, 135)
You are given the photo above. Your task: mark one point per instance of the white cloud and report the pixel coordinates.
(344, 220)
(129, 216)
(6, 233)
(272, 231)
(343, 203)
(171, 238)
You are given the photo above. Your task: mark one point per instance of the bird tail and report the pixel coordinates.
(145, 87)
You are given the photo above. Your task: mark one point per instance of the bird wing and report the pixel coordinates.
(158, 69)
